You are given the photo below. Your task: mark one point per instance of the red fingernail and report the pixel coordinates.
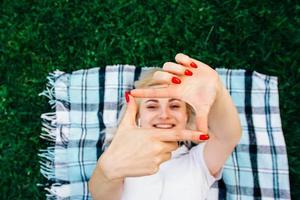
(204, 137)
(188, 72)
(176, 80)
(193, 65)
(127, 96)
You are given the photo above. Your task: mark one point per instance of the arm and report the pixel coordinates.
(204, 91)
(224, 124)
(133, 152)
(102, 187)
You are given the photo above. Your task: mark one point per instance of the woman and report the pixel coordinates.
(145, 162)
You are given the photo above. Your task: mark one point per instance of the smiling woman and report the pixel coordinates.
(163, 105)
(163, 113)
(145, 161)
(151, 107)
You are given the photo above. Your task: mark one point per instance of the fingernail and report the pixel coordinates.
(193, 65)
(127, 96)
(176, 80)
(204, 137)
(188, 72)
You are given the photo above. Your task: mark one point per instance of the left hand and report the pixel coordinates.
(200, 90)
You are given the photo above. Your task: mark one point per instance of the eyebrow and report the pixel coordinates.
(155, 100)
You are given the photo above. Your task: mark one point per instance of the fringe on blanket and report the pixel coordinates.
(49, 134)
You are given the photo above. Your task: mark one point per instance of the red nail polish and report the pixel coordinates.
(127, 96)
(188, 72)
(176, 80)
(204, 137)
(193, 65)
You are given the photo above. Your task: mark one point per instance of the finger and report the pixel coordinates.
(129, 118)
(177, 69)
(182, 59)
(201, 123)
(165, 77)
(165, 157)
(170, 146)
(173, 135)
(162, 91)
(188, 61)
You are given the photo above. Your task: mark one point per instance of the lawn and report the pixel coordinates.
(37, 37)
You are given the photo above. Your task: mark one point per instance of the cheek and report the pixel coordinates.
(145, 123)
(182, 119)
(146, 118)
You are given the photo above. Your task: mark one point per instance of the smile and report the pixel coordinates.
(164, 126)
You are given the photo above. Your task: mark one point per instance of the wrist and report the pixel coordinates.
(107, 169)
(223, 99)
(221, 91)
(223, 117)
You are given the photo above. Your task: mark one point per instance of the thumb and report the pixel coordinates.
(201, 122)
(129, 118)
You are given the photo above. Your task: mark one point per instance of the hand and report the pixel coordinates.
(200, 89)
(139, 151)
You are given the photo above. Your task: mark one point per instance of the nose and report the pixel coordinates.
(164, 113)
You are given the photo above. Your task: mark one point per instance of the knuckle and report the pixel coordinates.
(169, 156)
(178, 135)
(156, 74)
(157, 160)
(157, 147)
(214, 74)
(175, 146)
(153, 169)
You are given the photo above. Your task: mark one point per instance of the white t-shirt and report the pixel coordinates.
(184, 176)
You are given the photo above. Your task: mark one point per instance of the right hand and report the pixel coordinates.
(137, 151)
(201, 90)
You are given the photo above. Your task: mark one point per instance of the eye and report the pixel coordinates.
(151, 107)
(175, 106)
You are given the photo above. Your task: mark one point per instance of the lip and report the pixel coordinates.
(164, 124)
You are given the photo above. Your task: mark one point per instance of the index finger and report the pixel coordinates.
(158, 92)
(181, 135)
(187, 61)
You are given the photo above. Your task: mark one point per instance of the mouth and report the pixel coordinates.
(164, 126)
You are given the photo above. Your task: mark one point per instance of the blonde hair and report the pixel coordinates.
(145, 80)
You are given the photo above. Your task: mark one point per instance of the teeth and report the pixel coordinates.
(164, 125)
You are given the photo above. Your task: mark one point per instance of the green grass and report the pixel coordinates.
(37, 37)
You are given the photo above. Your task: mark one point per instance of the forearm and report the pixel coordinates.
(223, 119)
(101, 187)
(224, 130)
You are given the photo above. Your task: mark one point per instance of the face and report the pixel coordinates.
(163, 113)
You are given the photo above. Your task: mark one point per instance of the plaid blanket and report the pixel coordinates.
(88, 101)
